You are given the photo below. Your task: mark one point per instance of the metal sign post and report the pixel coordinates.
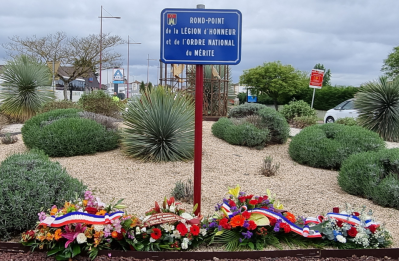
(200, 36)
(316, 81)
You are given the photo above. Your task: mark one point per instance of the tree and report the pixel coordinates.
(142, 87)
(149, 87)
(81, 54)
(378, 106)
(391, 64)
(327, 74)
(26, 87)
(273, 79)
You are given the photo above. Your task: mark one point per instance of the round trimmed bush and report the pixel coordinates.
(276, 124)
(297, 109)
(29, 182)
(245, 110)
(328, 145)
(373, 175)
(220, 127)
(63, 133)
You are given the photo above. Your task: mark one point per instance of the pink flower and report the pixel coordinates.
(71, 235)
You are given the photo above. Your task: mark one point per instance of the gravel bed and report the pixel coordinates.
(303, 190)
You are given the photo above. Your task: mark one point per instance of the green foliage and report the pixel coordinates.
(297, 109)
(107, 122)
(245, 110)
(328, 145)
(184, 191)
(269, 169)
(347, 121)
(273, 79)
(142, 87)
(276, 124)
(242, 97)
(55, 105)
(30, 181)
(327, 74)
(378, 106)
(327, 97)
(391, 64)
(160, 126)
(304, 121)
(9, 139)
(26, 88)
(373, 175)
(62, 133)
(220, 127)
(101, 103)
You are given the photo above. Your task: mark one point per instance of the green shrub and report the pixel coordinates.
(55, 105)
(62, 133)
(184, 191)
(347, 121)
(220, 127)
(378, 106)
(30, 181)
(373, 175)
(8, 139)
(276, 124)
(328, 145)
(245, 110)
(304, 121)
(101, 103)
(297, 109)
(160, 126)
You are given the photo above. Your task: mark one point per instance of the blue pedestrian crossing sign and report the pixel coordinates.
(118, 75)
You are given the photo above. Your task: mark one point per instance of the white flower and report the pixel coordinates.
(146, 218)
(144, 229)
(172, 208)
(98, 228)
(186, 216)
(176, 234)
(184, 244)
(203, 231)
(168, 228)
(341, 239)
(152, 240)
(81, 238)
(138, 231)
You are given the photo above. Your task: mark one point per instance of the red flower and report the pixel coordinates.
(246, 214)
(335, 210)
(182, 229)
(286, 227)
(194, 229)
(156, 233)
(119, 237)
(260, 200)
(253, 202)
(339, 223)
(232, 203)
(241, 199)
(356, 214)
(249, 197)
(264, 207)
(91, 210)
(272, 221)
(372, 228)
(252, 225)
(352, 232)
(224, 222)
(171, 201)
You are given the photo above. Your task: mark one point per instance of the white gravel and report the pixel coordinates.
(303, 190)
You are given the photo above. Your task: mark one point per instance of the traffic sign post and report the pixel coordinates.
(200, 36)
(316, 81)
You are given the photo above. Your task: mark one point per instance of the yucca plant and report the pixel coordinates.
(378, 106)
(160, 126)
(26, 87)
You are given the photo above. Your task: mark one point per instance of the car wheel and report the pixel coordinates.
(330, 120)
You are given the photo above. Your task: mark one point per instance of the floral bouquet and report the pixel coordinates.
(351, 229)
(165, 228)
(248, 221)
(86, 224)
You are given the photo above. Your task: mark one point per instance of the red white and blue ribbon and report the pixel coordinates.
(305, 231)
(350, 219)
(80, 217)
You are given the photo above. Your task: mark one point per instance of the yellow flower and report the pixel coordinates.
(41, 237)
(57, 234)
(85, 202)
(49, 237)
(277, 205)
(235, 192)
(53, 211)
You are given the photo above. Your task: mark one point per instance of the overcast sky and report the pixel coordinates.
(350, 37)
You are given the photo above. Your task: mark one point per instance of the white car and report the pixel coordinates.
(343, 110)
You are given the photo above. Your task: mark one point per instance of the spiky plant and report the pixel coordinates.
(26, 87)
(160, 126)
(378, 106)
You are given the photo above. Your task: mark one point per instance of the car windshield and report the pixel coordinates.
(348, 106)
(339, 106)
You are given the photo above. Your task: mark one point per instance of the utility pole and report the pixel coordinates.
(148, 66)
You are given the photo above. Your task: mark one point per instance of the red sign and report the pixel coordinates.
(316, 79)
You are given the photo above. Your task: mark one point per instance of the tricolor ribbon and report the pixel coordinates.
(350, 219)
(80, 217)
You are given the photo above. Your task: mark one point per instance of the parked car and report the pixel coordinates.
(343, 110)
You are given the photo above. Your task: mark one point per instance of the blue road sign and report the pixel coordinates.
(201, 36)
(252, 98)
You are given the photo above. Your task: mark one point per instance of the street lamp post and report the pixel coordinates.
(101, 37)
(128, 58)
(148, 66)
